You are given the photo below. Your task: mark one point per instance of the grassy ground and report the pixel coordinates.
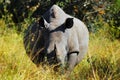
(101, 63)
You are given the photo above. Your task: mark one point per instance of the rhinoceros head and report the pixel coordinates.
(55, 39)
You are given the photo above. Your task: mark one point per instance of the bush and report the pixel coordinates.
(113, 16)
(93, 12)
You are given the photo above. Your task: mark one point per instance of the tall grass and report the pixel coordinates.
(101, 63)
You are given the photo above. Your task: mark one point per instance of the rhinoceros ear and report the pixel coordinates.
(69, 23)
(43, 23)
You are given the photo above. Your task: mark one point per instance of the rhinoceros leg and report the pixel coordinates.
(82, 53)
(72, 60)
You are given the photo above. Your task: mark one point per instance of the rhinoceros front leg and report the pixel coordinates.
(72, 60)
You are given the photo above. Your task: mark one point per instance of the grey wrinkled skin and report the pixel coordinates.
(64, 38)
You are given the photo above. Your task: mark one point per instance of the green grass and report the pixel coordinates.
(101, 63)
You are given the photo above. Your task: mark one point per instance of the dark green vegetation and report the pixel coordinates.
(93, 12)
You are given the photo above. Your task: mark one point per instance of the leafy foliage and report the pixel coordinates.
(115, 20)
(89, 11)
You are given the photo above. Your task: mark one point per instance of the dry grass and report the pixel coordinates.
(101, 63)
